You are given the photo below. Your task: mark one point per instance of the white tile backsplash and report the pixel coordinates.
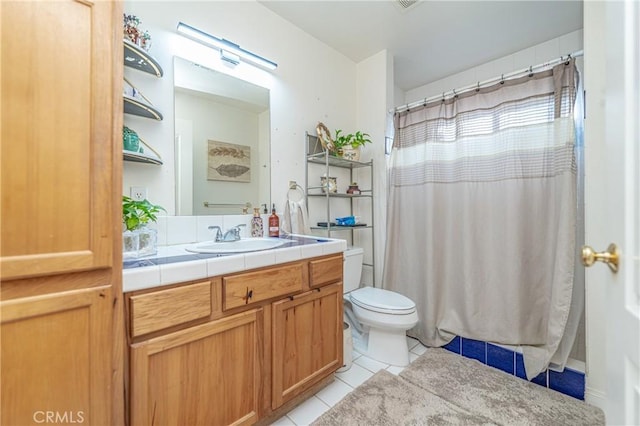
(181, 229)
(161, 226)
(202, 227)
(230, 221)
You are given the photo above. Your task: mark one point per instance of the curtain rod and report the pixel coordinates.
(491, 81)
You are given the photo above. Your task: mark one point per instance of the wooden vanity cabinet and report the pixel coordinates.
(307, 341)
(234, 349)
(209, 374)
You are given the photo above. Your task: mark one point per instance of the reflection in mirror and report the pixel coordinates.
(222, 142)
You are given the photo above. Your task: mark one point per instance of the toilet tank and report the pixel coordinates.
(352, 268)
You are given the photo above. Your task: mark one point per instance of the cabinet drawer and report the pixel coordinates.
(325, 271)
(243, 289)
(166, 308)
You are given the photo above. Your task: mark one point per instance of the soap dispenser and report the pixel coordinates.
(256, 224)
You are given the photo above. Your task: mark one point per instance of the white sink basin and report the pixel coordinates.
(240, 246)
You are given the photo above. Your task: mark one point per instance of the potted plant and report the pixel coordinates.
(348, 146)
(138, 239)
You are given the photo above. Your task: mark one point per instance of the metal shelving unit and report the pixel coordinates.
(315, 154)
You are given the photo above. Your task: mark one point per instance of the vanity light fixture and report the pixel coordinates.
(233, 59)
(229, 51)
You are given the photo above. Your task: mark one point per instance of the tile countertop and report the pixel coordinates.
(173, 264)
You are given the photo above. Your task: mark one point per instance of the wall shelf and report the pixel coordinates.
(137, 107)
(338, 195)
(135, 57)
(139, 157)
(323, 158)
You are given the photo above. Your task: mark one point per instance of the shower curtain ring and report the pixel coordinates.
(502, 79)
(442, 96)
(455, 95)
(530, 70)
(478, 87)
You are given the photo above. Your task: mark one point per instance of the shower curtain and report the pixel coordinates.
(482, 214)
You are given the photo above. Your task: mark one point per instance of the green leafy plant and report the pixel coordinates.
(354, 139)
(136, 214)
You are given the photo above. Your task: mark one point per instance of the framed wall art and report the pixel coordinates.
(228, 162)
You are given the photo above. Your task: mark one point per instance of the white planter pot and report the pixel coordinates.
(351, 153)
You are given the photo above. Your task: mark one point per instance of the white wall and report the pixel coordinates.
(538, 54)
(375, 98)
(312, 83)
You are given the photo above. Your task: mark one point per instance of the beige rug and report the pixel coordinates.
(441, 388)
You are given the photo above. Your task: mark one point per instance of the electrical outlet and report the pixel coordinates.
(138, 193)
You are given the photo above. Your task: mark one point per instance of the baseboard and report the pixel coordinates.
(595, 397)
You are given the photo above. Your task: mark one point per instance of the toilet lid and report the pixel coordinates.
(384, 301)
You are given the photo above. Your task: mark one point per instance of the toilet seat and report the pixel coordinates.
(382, 301)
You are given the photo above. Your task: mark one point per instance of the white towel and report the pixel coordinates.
(295, 219)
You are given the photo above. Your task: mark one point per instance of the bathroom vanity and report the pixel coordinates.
(234, 347)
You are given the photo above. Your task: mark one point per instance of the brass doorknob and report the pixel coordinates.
(611, 257)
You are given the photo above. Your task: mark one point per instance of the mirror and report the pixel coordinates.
(222, 142)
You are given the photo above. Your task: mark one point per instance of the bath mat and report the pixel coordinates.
(386, 399)
(495, 394)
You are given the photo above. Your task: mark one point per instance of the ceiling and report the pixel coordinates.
(431, 40)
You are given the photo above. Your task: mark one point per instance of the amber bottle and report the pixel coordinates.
(274, 223)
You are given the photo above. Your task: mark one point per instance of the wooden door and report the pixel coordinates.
(58, 113)
(307, 341)
(209, 374)
(56, 352)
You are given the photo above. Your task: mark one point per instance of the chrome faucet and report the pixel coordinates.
(232, 234)
(218, 232)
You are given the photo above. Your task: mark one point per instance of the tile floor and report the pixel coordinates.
(361, 369)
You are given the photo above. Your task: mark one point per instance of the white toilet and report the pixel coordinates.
(379, 318)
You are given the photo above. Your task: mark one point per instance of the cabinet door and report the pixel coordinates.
(56, 353)
(205, 375)
(58, 112)
(307, 341)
